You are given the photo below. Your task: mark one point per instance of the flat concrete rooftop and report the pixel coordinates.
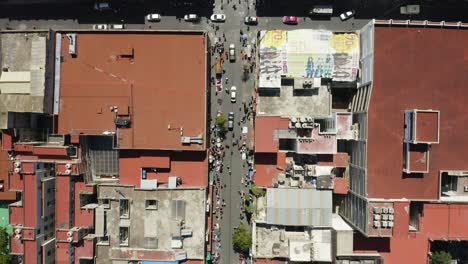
(156, 80)
(22, 75)
(159, 223)
(315, 104)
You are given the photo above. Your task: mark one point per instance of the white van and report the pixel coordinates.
(321, 11)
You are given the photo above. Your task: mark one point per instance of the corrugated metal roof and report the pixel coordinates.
(299, 207)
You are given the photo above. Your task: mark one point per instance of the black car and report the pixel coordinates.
(231, 120)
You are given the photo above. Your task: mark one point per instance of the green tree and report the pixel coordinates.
(257, 192)
(242, 239)
(5, 257)
(220, 121)
(441, 257)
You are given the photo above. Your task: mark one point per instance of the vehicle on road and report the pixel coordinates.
(233, 94)
(191, 17)
(218, 67)
(347, 15)
(218, 17)
(410, 10)
(117, 26)
(100, 27)
(290, 20)
(102, 6)
(153, 17)
(231, 120)
(251, 20)
(321, 11)
(232, 53)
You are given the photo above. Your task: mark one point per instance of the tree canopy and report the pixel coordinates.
(441, 257)
(4, 252)
(242, 239)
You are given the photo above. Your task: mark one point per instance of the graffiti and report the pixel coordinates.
(307, 53)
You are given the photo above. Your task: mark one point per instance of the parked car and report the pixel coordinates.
(102, 6)
(100, 27)
(347, 15)
(251, 20)
(218, 17)
(231, 120)
(233, 94)
(117, 26)
(291, 20)
(191, 17)
(153, 17)
(232, 53)
(321, 11)
(410, 10)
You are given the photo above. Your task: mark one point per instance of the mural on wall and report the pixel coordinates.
(307, 53)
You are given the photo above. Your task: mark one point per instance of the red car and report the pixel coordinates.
(292, 20)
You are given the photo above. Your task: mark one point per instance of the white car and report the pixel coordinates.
(191, 17)
(233, 94)
(347, 15)
(218, 17)
(100, 27)
(153, 17)
(251, 20)
(117, 26)
(232, 53)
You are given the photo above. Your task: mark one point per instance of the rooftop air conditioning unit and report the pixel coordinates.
(390, 217)
(385, 217)
(385, 210)
(67, 172)
(384, 223)
(376, 224)
(70, 234)
(68, 166)
(17, 164)
(377, 217)
(391, 210)
(18, 237)
(18, 231)
(390, 224)
(377, 210)
(69, 239)
(17, 170)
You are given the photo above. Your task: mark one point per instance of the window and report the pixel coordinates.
(123, 236)
(152, 204)
(124, 208)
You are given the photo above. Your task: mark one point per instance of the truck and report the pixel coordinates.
(218, 67)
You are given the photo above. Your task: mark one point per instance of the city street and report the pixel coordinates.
(235, 169)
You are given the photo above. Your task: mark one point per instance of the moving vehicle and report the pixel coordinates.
(290, 20)
(100, 27)
(232, 53)
(153, 17)
(410, 10)
(231, 120)
(102, 6)
(218, 67)
(116, 26)
(321, 11)
(347, 15)
(251, 20)
(233, 94)
(191, 17)
(218, 17)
